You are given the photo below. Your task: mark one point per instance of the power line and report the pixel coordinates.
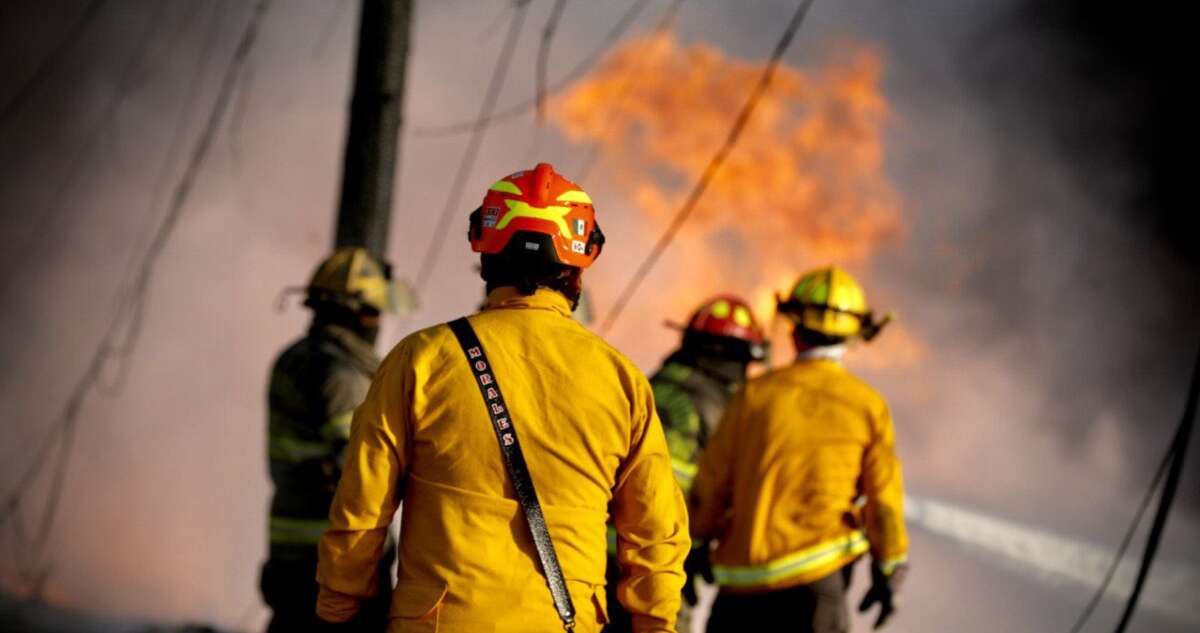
(714, 164)
(472, 150)
(131, 309)
(1179, 445)
(485, 33)
(581, 68)
(543, 62)
(50, 62)
(543, 58)
(139, 289)
(123, 350)
(238, 116)
(1125, 541)
(631, 78)
(79, 158)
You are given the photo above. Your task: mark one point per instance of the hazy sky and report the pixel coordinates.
(1058, 324)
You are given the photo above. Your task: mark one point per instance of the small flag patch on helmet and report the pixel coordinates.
(491, 215)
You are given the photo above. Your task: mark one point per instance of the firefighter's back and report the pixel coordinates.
(580, 409)
(424, 438)
(801, 435)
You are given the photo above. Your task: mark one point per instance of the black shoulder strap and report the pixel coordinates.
(518, 472)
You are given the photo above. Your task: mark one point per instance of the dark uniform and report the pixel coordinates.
(315, 386)
(691, 391)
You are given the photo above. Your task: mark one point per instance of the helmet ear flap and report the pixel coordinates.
(595, 240)
(871, 328)
(475, 225)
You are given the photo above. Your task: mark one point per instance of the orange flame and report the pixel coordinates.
(804, 186)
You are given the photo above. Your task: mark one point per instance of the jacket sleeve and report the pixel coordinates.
(367, 495)
(651, 522)
(883, 487)
(681, 424)
(342, 391)
(712, 491)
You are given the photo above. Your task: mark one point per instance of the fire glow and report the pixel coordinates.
(804, 186)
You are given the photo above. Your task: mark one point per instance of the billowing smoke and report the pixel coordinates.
(1009, 371)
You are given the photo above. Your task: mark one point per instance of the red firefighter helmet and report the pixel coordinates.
(729, 317)
(551, 218)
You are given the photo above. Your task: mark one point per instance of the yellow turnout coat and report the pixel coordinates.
(800, 479)
(585, 416)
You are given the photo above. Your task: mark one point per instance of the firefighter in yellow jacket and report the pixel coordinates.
(586, 422)
(802, 478)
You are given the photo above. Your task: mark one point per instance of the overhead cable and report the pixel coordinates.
(579, 70)
(1179, 445)
(132, 309)
(631, 79)
(117, 369)
(78, 159)
(714, 164)
(1109, 574)
(50, 62)
(543, 63)
(454, 195)
(543, 58)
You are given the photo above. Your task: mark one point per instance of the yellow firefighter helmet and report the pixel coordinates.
(353, 278)
(831, 302)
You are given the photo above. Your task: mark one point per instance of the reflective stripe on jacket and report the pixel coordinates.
(689, 403)
(778, 482)
(586, 420)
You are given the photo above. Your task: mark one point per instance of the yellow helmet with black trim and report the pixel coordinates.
(351, 277)
(830, 301)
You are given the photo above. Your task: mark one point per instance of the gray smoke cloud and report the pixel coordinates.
(1055, 319)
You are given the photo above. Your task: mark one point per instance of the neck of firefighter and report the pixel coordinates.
(527, 277)
(806, 350)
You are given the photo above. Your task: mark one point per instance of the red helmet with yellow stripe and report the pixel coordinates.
(728, 321)
(541, 214)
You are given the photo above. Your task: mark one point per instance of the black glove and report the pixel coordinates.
(697, 563)
(883, 591)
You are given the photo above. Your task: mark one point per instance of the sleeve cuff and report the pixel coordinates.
(889, 565)
(333, 606)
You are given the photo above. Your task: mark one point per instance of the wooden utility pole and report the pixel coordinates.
(371, 155)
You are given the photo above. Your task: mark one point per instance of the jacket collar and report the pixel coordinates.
(508, 297)
(724, 374)
(824, 352)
